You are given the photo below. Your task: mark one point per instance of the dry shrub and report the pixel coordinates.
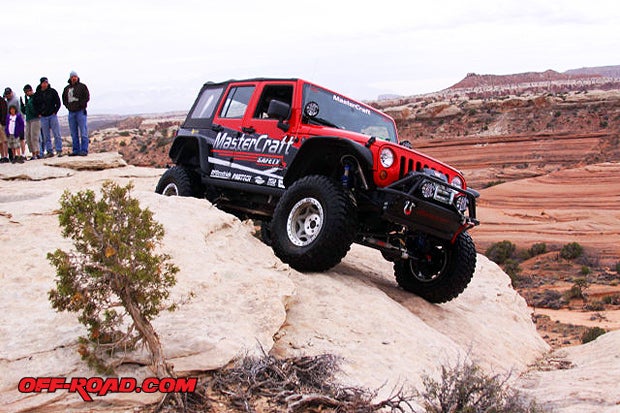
(299, 384)
(306, 384)
(464, 388)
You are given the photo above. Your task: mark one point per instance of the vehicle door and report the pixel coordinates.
(228, 123)
(262, 157)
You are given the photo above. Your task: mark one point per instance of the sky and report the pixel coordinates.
(152, 56)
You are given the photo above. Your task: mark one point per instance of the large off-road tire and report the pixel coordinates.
(179, 181)
(441, 272)
(313, 224)
(265, 232)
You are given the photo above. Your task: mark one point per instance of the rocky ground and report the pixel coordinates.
(246, 301)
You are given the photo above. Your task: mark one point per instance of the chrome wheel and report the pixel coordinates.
(171, 190)
(305, 222)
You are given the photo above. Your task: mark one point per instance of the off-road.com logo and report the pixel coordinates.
(101, 387)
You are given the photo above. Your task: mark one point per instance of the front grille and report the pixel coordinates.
(411, 165)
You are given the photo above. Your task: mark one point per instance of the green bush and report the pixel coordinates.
(512, 268)
(592, 334)
(537, 249)
(494, 183)
(500, 252)
(113, 276)
(576, 291)
(571, 251)
(573, 293)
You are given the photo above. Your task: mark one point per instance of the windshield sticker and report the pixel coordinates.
(312, 109)
(352, 105)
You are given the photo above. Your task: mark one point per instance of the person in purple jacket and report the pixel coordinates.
(14, 130)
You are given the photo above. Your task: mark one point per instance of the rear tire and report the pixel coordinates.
(179, 181)
(265, 232)
(441, 271)
(313, 225)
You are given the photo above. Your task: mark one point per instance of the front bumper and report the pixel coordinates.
(434, 212)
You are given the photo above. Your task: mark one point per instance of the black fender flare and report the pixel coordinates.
(192, 151)
(318, 154)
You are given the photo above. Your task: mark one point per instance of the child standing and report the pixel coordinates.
(4, 151)
(14, 130)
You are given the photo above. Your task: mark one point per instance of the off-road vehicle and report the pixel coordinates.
(321, 171)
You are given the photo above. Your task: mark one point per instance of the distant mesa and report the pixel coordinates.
(605, 77)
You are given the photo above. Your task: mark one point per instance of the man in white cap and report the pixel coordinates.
(75, 97)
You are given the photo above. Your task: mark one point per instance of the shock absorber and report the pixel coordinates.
(345, 175)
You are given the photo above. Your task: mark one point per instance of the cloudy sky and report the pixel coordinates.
(140, 56)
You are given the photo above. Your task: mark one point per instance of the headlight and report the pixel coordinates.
(428, 189)
(462, 203)
(456, 181)
(386, 157)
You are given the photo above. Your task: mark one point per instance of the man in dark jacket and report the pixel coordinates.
(75, 97)
(48, 103)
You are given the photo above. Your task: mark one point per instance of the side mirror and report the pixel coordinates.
(281, 111)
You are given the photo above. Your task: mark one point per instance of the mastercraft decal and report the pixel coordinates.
(259, 144)
(353, 105)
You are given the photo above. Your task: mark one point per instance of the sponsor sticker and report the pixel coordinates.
(220, 174)
(242, 177)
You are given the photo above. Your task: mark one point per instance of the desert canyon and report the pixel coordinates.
(545, 158)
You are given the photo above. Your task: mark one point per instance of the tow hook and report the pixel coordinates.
(408, 208)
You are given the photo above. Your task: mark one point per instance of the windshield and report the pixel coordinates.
(322, 107)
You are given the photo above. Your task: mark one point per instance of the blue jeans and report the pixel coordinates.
(79, 131)
(47, 123)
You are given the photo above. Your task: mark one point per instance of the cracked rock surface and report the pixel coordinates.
(245, 301)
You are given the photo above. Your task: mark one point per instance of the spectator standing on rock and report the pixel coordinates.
(48, 103)
(75, 97)
(14, 130)
(4, 151)
(11, 100)
(33, 124)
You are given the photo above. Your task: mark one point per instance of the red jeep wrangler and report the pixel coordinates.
(321, 171)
